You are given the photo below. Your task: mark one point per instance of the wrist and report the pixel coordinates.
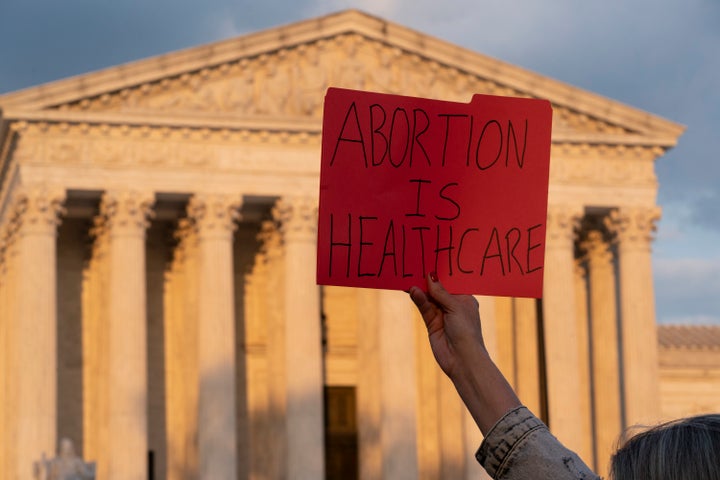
(484, 390)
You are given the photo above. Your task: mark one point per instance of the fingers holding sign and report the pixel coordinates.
(452, 321)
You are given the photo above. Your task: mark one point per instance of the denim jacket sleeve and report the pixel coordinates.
(521, 447)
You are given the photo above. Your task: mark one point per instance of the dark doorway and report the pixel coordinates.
(341, 436)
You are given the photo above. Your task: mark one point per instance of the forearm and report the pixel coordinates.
(484, 390)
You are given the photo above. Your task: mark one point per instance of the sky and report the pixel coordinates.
(661, 56)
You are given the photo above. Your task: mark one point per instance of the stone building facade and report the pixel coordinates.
(689, 370)
(157, 253)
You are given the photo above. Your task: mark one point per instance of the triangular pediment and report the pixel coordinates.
(284, 72)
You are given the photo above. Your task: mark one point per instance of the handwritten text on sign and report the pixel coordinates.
(411, 185)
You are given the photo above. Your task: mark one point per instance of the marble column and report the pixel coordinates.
(32, 330)
(174, 398)
(274, 460)
(560, 326)
(126, 218)
(472, 435)
(505, 335)
(368, 390)
(297, 217)
(633, 229)
(430, 421)
(95, 345)
(257, 346)
(583, 344)
(604, 338)
(398, 386)
(5, 300)
(527, 358)
(181, 358)
(215, 218)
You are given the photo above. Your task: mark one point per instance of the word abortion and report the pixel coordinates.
(399, 141)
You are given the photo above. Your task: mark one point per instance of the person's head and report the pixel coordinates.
(685, 449)
(67, 449)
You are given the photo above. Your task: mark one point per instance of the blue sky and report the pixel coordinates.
(660, 56)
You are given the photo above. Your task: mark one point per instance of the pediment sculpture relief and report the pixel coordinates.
(291, 82)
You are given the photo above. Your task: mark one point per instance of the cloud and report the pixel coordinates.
(687, 289)
(691, 320)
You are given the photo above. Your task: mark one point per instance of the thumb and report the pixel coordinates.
(438, 293)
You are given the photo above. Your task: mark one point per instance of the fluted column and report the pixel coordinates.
(5, 318)
(260, 339)
(527, 379)
(32, 334)
(472, 435)
(368, 388)
(181, 326)
(583, 346)
(95, 345)
(215, 218)
(275, 324)
(126, 218)
(562, 337)
(603, 328)
(398, 387)
(174, 398)
(32, 330)
(303, 340)
(633, 228)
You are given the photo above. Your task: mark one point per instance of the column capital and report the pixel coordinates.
(297, 217)
(36, 209)
(633, 227)
(562, 223)
(596, 247)
(125, 212)
(270, 239)
(5, 239)
(214, 215)
(185, 238)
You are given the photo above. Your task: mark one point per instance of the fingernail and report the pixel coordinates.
(433, 276)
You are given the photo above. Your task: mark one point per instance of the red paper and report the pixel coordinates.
(409, 186)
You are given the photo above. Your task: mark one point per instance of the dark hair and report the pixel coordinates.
(685, 449)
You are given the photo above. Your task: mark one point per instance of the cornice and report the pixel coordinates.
(21, 120)
(352, 21)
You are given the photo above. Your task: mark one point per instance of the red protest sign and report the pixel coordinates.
(410, 186)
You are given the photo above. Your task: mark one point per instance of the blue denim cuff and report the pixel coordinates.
(504, 436)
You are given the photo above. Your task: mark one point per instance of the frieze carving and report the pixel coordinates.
(118, 146)
(291, 82)
(217, 149)
(617, 167)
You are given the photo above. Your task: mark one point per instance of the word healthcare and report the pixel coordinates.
(410, 186)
